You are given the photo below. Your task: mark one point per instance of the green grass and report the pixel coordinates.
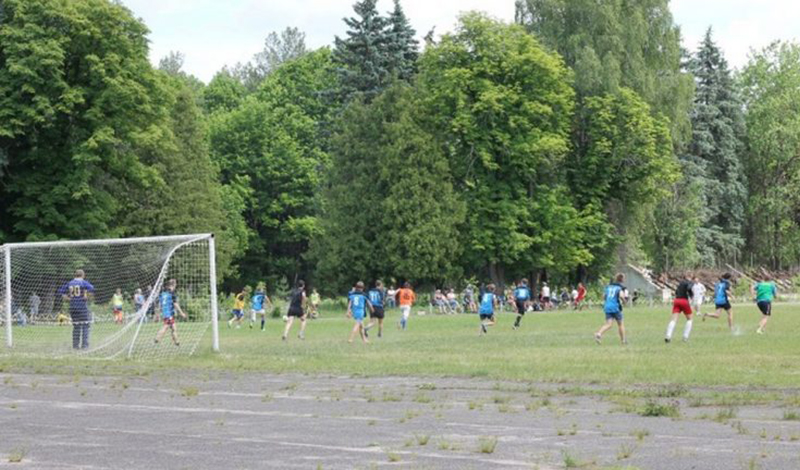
(550, 347)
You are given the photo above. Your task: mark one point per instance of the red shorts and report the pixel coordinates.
(169, 321)
(682, 306)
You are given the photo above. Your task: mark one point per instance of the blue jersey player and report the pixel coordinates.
(722, 299)
(486, 306)
(522, 298)
(258, 304)
(168, 301)
(376, 296)
(614, 296)
(357, 310)
(78, 292)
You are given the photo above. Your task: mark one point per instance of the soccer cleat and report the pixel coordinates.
(301, 335)
(177, 344)
(483, 328)
(155, 341)
(760, 331)
(380, 334)
(667, 340)
(251, 326)
(597, 338)
(283, 337)
(366, 332)
(685, 339)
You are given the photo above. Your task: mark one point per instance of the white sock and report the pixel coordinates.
(670, 329)
(687, 330)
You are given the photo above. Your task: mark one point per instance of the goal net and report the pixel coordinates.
(109, 298)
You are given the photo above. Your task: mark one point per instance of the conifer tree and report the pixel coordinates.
(717, 142)
(363, 57)
(402, 44)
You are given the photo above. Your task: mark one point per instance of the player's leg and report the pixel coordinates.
(380, 327)
(174, 331)
(288, 327)
(621, 327)
(520, 314)
(671, 326)
(766, 311)
(363, 332)
(76, 333)
(302, 334)
(730, 317)
(252, 318)
(353, 332)
(687, 328)
(606, 326)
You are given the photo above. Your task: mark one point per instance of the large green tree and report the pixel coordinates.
(271, 156)
(390, 208)
(771, 93)
(622, 164)
(503, 105)
(717, 144)
(618, 43)
(81, 117)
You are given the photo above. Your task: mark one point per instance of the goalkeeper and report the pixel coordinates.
(78, 293)
(169, 305)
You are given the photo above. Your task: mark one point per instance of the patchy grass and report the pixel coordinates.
(656, 409)
(487, 444)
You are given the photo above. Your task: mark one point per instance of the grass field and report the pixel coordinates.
(550, 347)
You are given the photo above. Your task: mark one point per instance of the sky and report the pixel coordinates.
(214, 33)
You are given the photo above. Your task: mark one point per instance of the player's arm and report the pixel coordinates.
(350, 308)
(267, 300)
(179, 310)
(371, 308)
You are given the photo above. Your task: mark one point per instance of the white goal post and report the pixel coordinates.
(143, 298)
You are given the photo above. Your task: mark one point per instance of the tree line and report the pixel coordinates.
(580, 136)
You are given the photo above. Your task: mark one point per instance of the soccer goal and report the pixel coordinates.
(109, 298)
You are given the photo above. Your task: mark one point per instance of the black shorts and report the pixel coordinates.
(725, 306)
(521, 306)
(765, 307)
(296, 312)
(487, 316)
(377, 312)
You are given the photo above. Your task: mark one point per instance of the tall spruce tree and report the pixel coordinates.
(402, 46)
(718, 130)
(363, 56)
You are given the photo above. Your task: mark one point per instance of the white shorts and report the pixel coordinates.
(253, 313)
(697, 301)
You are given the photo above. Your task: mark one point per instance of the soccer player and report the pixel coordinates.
(681, 305)
(237, 314)
(581, 296)
(406, 298)
(315, 302)
(169, 305)
(297, 309)
(614, 296)
(34, 302)
(765, 291)
(258, 307)
(138, 302)
(546, 296)
(78, 292)
(357, 305)
(698, 295)
(116, 306)
(722, 299)
(486, 309)
(522, 298)
(376, 300)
